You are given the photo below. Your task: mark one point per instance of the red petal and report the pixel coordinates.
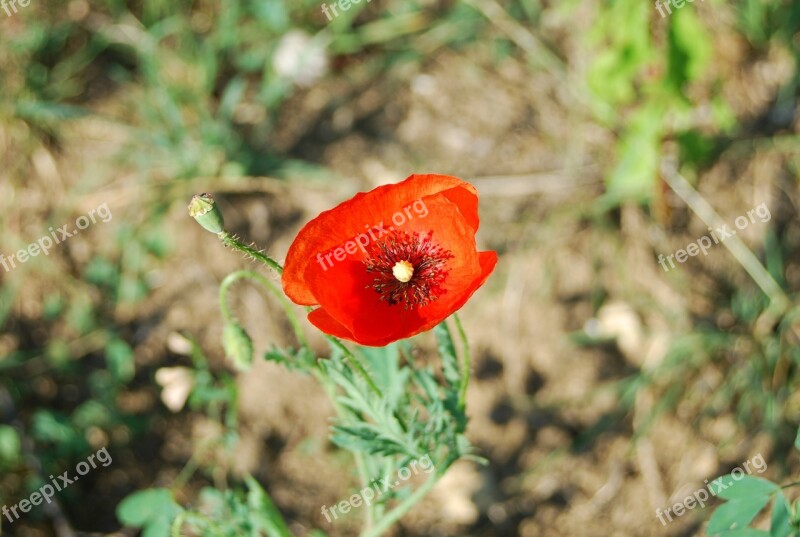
(337, 226)
(322, 320)
(344, 289)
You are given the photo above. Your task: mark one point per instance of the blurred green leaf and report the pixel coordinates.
(266, 516)
(231, 97)
(780, 524)
(447, 352)
(58, 352)
(744, 532)
(300, 359)
(152, 510)
(91, 414)
(53, 306)
(623, 50)
(743, 487)
(101, 271)
(274, 15)
(696, 148)
(81, 314)
(120, 360)
(42, 112)
(51, 427)
(689, 48)
(10, 445)
(723, 114)
(735, 514)
(635, 174)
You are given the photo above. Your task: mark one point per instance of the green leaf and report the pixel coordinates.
(120, 360)
(622, 50)
(780, 525)
(735, 514)
(447, 351)
(797, 440)
(745, 532)
(40, 111)
(231, 97)
(157, 528)
(148, 507)
(101, 271)
(274, 15)
(10, 444)
(52, 427)
(744, 487)
(366, 438)
(265, 513)
(697, 148)
(300, 359)
(382, 362)
(81, 314)
(91, 413)
(280, 356)
(635, 174)
(689, 48)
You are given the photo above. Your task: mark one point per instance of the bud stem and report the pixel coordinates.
(232, 242)
(231, 278)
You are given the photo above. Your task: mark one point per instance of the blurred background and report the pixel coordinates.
(605, 387)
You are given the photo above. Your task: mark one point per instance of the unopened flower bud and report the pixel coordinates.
(204, 209)
(238, 346)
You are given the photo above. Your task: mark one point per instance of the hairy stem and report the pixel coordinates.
(361, 465)
(466, 363)
(232, 242)
(231, 278)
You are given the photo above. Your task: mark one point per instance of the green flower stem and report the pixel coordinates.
(226, 312)
(466, 364)
(356, 364)
(187, 471)
(232, 242)
(231, 278)
(398, 512)
(361, 465)
(361, 370)
(363, 474)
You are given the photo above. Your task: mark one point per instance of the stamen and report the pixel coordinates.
(409, 268)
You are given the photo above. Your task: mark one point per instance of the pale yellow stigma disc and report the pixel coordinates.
(403, 271)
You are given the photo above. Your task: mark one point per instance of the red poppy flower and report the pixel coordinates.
(390, 263)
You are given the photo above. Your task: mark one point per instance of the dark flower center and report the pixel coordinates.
(409, 268)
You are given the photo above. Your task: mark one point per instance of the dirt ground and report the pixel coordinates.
(565, 457)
